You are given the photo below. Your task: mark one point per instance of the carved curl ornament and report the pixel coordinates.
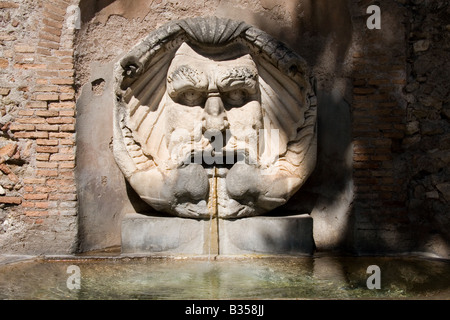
(214, 115)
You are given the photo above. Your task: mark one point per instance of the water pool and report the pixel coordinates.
(244, 278)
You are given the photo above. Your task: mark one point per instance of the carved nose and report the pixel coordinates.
(214, 105)
(214, 117)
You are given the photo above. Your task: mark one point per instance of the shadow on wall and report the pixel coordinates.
(324, 39)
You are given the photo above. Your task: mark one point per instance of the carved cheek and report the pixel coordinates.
(248, 117)
(182, 117)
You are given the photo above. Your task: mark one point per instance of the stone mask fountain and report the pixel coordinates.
(215, 124)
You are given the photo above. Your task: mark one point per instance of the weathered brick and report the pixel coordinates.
(61, 182)
(66, 96)
(35, 196)
(47, 113)
(47, 173)
(63, 197)
(46, 189)
(42, 81)
(48, 44)
(36, 213)
(69, 81)
(37, 105)
(44, 164)
(67, 142)
(68, 204)
(67, 165)
(30, 66)
(24, 58)
(28, 204)
(363, 91)
(62, 105)
(53, 23)
(24, 48)
(67, 113)
(68, 189)
(361, 157)
(47, 88)
(46, 142)
(66, 73)
(69, 90)
(47, 97)
(27, 113)
(60, 66)
(21, 127)
(47, 149)
(61, 120)
(62, 157)
(67, 150)
(53, 16)
(49, 37)
(43, 51)
(52, 30)
(381, 157)
(51, 7)
(4, 91)
(47, 73)
(8, 5)
(4, 63)
(10, 200)
(68, 212)
(64, 53)
(42, 205)
(30, 120)
(47, 127)
(43, 156)
(60, 135)
(34, 180)
(67, 127)
(69, 174)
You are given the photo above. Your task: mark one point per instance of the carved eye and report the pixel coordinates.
(236, 98)
(191, 97)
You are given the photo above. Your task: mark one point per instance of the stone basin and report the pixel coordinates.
(117, 276)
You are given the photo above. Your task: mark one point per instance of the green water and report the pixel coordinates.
(268, 278)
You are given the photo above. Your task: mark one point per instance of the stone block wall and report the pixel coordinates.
(427, 135)
(381, 183)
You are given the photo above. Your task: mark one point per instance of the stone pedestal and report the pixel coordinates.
(292, 235)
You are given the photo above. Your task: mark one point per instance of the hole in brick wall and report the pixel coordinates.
(98, 86)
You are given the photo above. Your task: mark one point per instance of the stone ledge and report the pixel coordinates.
(13, 258)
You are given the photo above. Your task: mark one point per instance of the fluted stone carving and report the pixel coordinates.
(214, 116)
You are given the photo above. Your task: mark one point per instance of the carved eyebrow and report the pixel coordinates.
(185, 73)
(241, 76)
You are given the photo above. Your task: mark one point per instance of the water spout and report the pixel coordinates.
(212, 240)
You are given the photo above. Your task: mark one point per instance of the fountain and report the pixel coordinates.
(214, 124)
(215, 127)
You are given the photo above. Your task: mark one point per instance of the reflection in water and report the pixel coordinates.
(268, 278)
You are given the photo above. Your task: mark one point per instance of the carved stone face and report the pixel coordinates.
(214, 128)
(213, 109)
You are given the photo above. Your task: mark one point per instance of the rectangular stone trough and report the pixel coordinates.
(289, 235)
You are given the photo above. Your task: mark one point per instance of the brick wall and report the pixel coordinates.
(401, 130)
(378, 126)
(37, 83)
